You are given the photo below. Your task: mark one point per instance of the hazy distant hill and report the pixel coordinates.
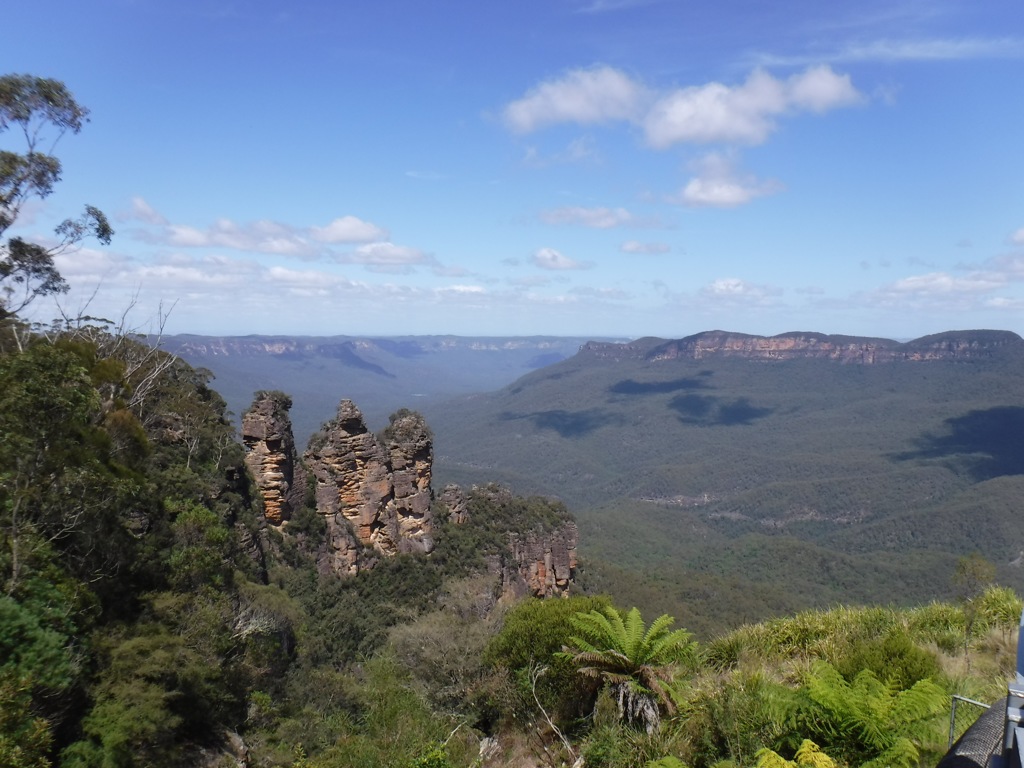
(724, 476)
(380, 374)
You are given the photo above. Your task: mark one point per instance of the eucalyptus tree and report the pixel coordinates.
(41, 110)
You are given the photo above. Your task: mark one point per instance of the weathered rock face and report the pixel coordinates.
(376, 499)
(271, 456)
(545, 561)
(411, 450)
(454, 498)
(952, 345)
(539, 559)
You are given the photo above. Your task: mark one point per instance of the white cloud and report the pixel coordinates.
(596, 95)
(549, 258)
(143, 211)
(744, 114)
(1017, 238)
(635, 246)
(735, 290)
(263, 236)
(598, 218)
(348, 229)
(258, 236)
(386, 257)
(942, 283)
(717, 185)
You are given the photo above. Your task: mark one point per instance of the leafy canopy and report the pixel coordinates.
(42, 110)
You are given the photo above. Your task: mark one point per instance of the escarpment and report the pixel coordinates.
(530, 544)
(951, 345)
(375, 498)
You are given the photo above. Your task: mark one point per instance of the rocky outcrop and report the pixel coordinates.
(271, 456)
(531, 542)
(374, 496)
(952, 345)
(454, 498)
(545, 561)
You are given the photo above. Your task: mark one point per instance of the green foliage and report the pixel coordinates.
(638, 662)
(533, 633)
(25, 739)
(494, 512)
(198, 556)
(435, 757)
(733, 716)
(42, 110)
(866, 722)
(894, 659)
(32, 650)
(809, 755)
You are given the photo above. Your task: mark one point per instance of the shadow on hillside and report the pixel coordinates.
(713, 411)
(568, 424)
(405, 349)
(989, 443)
(345, 354)
(631, 387)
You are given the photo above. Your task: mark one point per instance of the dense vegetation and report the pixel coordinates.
(730, 490)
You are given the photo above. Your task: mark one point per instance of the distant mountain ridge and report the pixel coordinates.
(381, 373)
(949, 345)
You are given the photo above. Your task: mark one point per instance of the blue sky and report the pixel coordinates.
(569, 167)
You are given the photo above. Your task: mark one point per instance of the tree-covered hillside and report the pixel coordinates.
(777, 484)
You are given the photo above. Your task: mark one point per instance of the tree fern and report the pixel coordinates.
(637, 661)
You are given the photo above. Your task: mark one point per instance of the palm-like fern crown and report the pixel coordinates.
(619, 648)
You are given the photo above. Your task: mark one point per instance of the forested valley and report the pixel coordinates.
(150, 615)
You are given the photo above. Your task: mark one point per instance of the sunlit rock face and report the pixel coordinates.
(374, 495)
(271, 456)
(545, 561)
(951, 345)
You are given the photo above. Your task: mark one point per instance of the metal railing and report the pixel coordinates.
(962, 715)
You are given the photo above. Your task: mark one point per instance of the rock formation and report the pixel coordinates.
(375, 498)
(544, 561)
(271, 456)
(952, 345)
(454, 498)
(539, 558)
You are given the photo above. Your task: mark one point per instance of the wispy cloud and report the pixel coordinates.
(549, 258)
(263, 236)
(635, 246)
(597, 218)
(607, 6)
(976, 287)
(910, 49)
